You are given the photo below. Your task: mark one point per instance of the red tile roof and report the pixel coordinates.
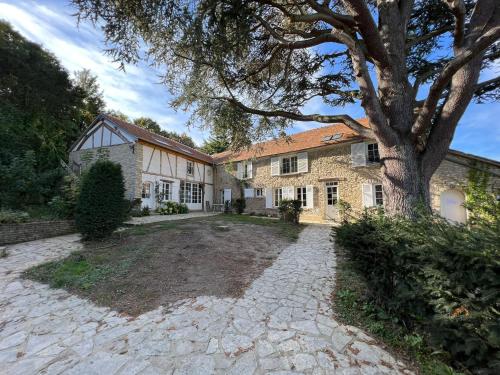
(159, 140)
(296, 142)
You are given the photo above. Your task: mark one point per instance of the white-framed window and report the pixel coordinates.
(190, 168)
(289, 165)
(301, 195)
(259, 193)
(379, 195)
(190, 192)
(245, 170)
(278, 197)
(332, 193)
(146, 190)
(373, 155)
(166, 191)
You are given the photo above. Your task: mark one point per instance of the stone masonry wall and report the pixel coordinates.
(331, 163)
(124, 154)
(21, 232)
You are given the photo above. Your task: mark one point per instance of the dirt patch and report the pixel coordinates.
(157, 265)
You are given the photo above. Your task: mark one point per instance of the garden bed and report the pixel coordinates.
(147, 266)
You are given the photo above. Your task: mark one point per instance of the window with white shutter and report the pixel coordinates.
(239, 170)
(288, 192)
(249, 169)
(269, 198)
(310, 196)
(367, 190)
(358, 154)
(303, 163)
(275, 166)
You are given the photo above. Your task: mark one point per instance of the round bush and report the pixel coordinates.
(100, 207)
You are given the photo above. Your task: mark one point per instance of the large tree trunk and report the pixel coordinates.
(405, 186)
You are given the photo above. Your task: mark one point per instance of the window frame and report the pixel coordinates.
(277, 196)
(291, 162)
(261, 190)
(380, 198)
(144, 194)
(190, 168)
(244, 173)
(372, 155)
(168, 195)
(301, 194)
(190, 192)
(335, 196)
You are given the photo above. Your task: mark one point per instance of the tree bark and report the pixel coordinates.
(405, 185)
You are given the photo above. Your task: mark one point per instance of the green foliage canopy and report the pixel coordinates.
(39, 119)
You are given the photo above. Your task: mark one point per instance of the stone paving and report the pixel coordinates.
(282, 325)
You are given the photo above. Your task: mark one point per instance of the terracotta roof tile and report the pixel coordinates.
(159, 140)
(296, 142)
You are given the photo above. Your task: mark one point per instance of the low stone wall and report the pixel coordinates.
(22, 232)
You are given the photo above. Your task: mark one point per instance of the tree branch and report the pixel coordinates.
(435, 93)
(457, 7)
(430, 35)
(324, 119)
(369, 31)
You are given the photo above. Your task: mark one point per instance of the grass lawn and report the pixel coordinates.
(352, 307)
(146, 266)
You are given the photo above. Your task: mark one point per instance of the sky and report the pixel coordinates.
(137, 90)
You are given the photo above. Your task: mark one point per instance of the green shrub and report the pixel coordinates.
(239, 205)
(63, 205)
(436, 277)
(101, 208)
(290, 210)
(12, 216)
(172, 208)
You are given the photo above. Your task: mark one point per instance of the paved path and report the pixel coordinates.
(156, 218)
(282, 325)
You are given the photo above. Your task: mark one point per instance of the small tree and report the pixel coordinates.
(290, 210)
(100, 207)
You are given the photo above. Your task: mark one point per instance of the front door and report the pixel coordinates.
(332, 198)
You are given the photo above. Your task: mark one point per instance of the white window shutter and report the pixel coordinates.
(269, 198)
(248, 193)
(275, 166)
(310, 196)
(367, 195)
(358, 154)
(239, 171)
(302, 162)
(250, 172)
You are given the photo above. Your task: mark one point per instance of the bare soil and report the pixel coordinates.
(162, 263)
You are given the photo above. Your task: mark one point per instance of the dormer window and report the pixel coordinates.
(373, 155)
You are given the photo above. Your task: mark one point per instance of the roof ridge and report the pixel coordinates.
(111, 117)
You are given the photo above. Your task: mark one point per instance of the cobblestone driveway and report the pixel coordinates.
(282, 325)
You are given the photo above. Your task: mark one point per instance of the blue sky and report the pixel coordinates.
(137, 91)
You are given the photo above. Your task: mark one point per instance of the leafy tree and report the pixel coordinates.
(149, 124)
(39, 117)
(153, 126)
(413, 65)
(215, 144)
(118, 114)
(101, 205)
(93, 100)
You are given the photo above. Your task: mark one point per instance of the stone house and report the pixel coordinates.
(329, 164)
(320, 167)
(155, 168)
